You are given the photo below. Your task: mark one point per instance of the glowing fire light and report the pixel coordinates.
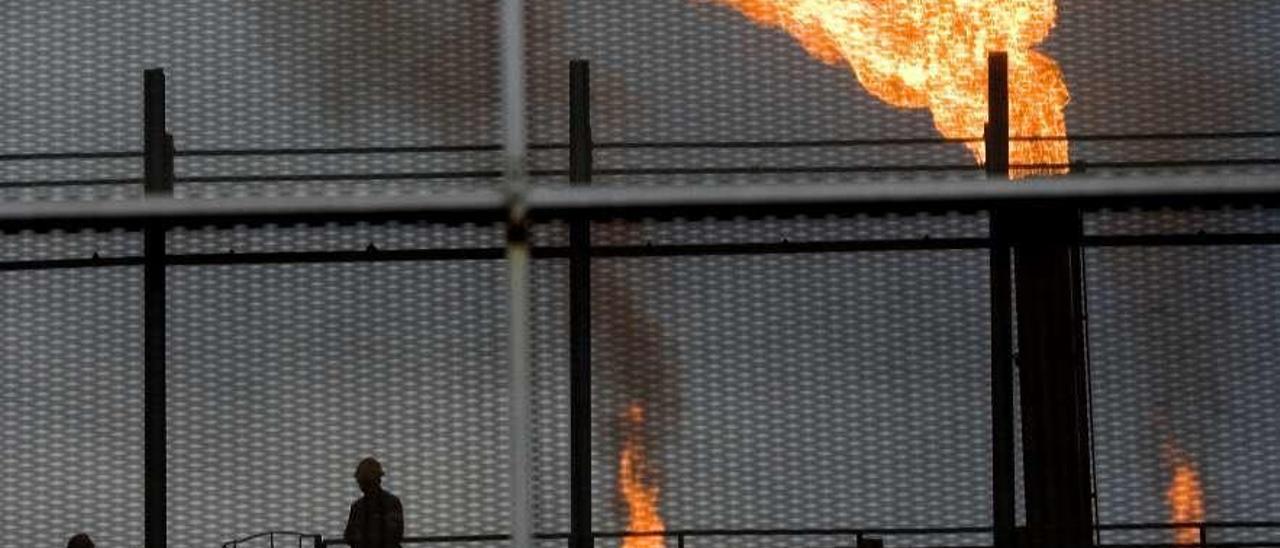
(933, 54)
(1186, 500)
(640, 496)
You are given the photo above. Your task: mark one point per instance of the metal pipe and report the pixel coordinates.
(515, 146)
(515, 141)
(521, 453)
(657, 202)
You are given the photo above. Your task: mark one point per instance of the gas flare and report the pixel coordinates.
(1186, 500)
(640, 495)
(933, 54)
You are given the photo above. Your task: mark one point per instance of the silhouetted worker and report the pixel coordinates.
(377, 519)
(80, 541)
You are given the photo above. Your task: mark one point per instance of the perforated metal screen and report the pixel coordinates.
(247, 75)
(1182, 352)
(817, 390)
(799, 392)
(72, 405)
(301, 370)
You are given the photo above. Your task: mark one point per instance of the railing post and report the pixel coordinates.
(1204, 535)
(996, 138)
(319, 541)
(580, 313)
(1002, 444)
(158, 179)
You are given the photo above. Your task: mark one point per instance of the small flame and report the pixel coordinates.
(641, 497)
(933, 54)
(1186, 500)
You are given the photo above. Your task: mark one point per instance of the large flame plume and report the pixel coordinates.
(1185, 498)
(636, 486)
(933, 54)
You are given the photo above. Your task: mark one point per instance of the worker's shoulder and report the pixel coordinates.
(387, 497)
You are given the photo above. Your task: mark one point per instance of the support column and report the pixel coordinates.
(1004, 499)
(1051, 355)
(580, 535)
(158, 179)
(1053, 375)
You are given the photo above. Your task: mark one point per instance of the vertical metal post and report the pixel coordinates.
(1204, 535)
(158, 179)
(1055, 425)
(1055, 429)
(518, 274)
(580, 313)
(515, 145)
(1002, 444)
(1050, 330)
(996, 140)
(515, 140)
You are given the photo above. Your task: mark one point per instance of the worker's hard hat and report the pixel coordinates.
(369, 468)
(81, 540)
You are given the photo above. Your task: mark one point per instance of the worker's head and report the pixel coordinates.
(81, 540)
(369, 475)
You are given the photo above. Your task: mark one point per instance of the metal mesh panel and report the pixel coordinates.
(71, 406)
(1244, 221)
(774, 230)
(797, 391)
(335, 237)
(1153, 66)
(550, 345)
(283, 74)
(1181, 348)
(282, 377)
(32, 246)
(343, 74)
(698, 71)
(357, 237)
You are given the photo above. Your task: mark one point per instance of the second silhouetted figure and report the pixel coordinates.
(376, 519)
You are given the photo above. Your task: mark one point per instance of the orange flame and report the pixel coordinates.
(933, 54)
(1186, 500)
(640, 496)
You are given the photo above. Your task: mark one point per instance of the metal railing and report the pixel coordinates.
(271, 536)
(855, 535)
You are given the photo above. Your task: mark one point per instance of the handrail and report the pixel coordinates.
(544, 204)
(724, 144)
(271, 536)
(856, 533)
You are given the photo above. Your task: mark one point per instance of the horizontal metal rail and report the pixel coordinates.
(621, 251)
(680, 535)
(1190, 525)
(809, 143)
(1075, 167)
(547, 204)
